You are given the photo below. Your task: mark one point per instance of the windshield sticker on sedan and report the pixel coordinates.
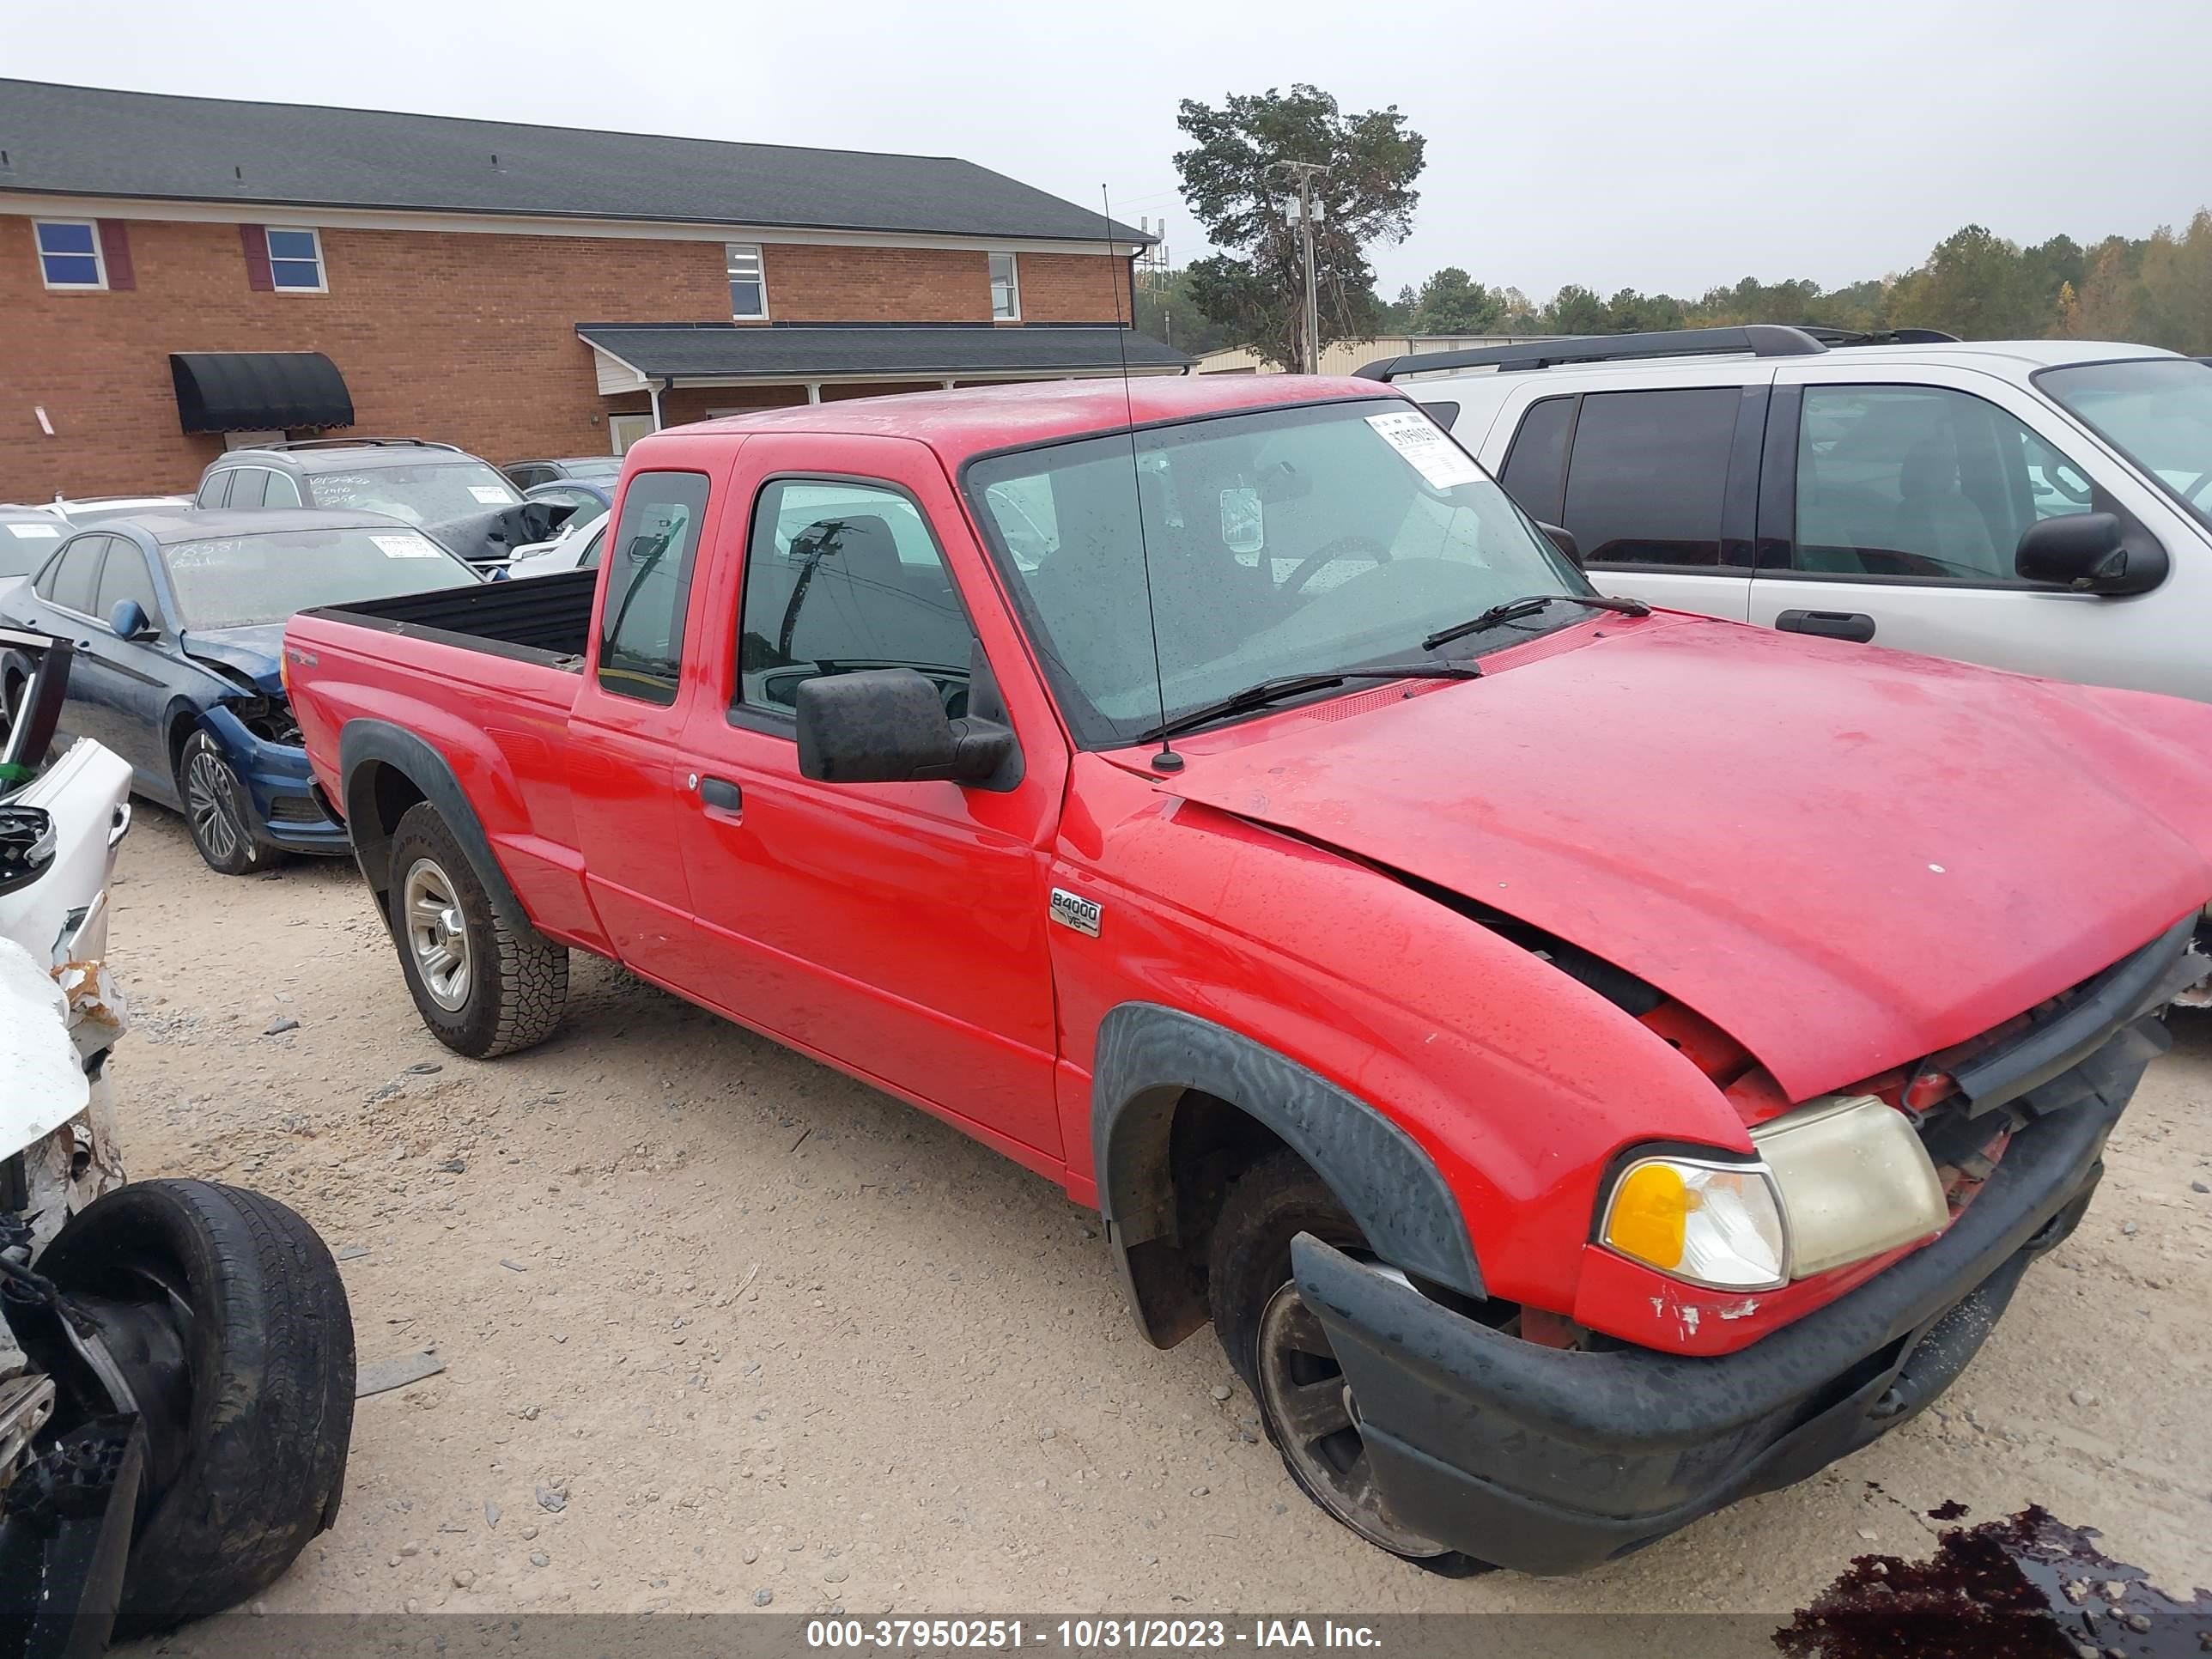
(35, 532)
(491, 495)
(405, 547)
(1427, 450)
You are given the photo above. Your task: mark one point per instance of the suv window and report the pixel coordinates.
(1925, 484)
(68, 580)
(249, 487)
(124, 576)
(1535, 472)
(1648, 475)
(282, 492)
(648, 586)
(842, 576)
(212, 488)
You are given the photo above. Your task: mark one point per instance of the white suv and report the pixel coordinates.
(2038, 505)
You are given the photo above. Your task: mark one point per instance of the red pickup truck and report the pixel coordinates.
(1586, 1063)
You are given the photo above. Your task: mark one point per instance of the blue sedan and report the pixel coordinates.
(178, 618)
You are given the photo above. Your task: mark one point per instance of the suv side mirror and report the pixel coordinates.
(2091, 553)
(889, 726)
(1563, 539)
(128, 621)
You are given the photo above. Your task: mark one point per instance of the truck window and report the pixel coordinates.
(1649, 472)
(842, 576)
(648, 584)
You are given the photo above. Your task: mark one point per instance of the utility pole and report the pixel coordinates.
(1309, 329)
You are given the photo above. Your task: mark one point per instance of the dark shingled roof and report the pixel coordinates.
(713, 351)
(86, 141)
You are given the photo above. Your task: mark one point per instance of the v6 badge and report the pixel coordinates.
(1072, 910)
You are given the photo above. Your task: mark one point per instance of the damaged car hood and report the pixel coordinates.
(254, 651)
(1846, 858)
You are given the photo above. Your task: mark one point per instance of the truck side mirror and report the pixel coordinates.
(2091, 553)
(128, 621)
(889, 726)
(1563, 539)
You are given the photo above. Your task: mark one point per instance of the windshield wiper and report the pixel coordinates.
(1514, 610)
(1264, 692)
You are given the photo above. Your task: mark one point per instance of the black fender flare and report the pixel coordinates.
(363, 746)
(1149, 1055)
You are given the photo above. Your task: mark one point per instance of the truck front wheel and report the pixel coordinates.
(486, 984)
(1278, 1347)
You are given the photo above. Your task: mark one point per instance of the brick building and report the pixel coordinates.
(178, 274)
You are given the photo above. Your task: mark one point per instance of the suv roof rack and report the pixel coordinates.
(356, 443)
(1759, 339)
(1858, 336)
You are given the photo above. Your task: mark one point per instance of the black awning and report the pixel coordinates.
(258, 390)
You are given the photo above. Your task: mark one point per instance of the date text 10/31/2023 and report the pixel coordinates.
(1083, 1635)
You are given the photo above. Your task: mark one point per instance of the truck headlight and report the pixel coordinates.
(1854, 1181)
(1711, 1224)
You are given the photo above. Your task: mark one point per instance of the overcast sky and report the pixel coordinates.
(1658, 147)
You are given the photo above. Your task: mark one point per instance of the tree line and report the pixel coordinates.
(2155, 289)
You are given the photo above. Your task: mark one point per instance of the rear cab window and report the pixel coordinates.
(647, 587)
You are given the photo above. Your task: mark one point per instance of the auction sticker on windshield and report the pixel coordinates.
(405, 547)
(1424, 446)
(491, 495)
(31, 532)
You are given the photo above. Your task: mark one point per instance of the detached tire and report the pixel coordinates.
(1278, 1345)
(270, 1356)
(486, 984)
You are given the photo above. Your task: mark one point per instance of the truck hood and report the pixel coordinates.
(1846, 858)
(253, 651)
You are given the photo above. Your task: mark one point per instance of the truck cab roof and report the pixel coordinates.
(980, 420)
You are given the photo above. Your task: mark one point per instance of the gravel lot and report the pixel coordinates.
(718, 1323)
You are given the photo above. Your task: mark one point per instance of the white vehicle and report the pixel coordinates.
(2043, 506)
(578, 550)
(176, 1358)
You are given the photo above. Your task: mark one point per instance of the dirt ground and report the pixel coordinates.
(722, 1329)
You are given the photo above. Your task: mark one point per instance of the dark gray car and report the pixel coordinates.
(466, 503)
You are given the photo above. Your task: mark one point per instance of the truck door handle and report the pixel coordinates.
(1855, 625)
(721, 794)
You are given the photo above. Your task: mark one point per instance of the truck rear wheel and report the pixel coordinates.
(486, 984)
(1278, 1345)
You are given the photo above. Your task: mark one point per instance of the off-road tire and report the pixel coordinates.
(271, 1358)
(1269, 1205)
(246, 855)
(518, 979)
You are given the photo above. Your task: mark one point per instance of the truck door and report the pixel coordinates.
(896, 929)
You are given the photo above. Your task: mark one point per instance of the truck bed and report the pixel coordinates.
(544, 619)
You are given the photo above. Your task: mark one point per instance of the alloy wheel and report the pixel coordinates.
(437, 934)
(211, 803)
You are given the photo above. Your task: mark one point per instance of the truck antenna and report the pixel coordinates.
(1167, 760)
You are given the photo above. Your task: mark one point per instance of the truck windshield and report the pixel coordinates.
(1280, 542)
(2157, 411)
(435, 492)
(240, 580)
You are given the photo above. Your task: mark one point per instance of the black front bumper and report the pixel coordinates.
(1549, 1462)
